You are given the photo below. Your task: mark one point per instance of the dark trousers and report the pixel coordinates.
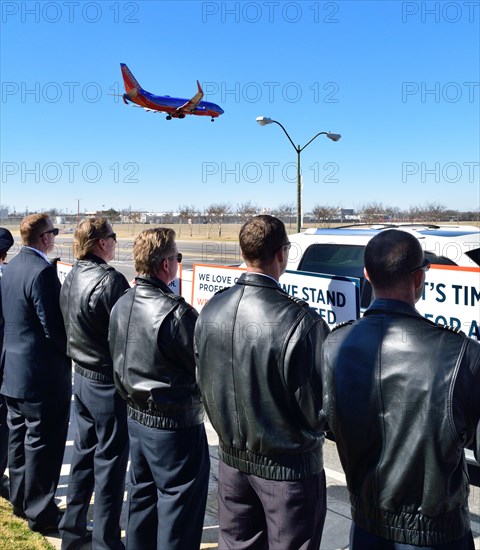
(99, 463)
(264, 514)
(361, 540)
(169, 473)
(38, 432)
(3, 435)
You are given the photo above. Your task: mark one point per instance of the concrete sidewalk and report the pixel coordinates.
(337, 523)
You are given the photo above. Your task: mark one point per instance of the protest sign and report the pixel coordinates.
(336, 299)
(451, 296)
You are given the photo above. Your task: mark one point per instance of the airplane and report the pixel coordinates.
(175, 107)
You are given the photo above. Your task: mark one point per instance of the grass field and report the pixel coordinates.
(226, 232)
(15, 534)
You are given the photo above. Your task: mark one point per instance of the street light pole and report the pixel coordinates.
(263, 121)
(299, 191)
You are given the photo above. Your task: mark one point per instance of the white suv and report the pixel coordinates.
(339, 251)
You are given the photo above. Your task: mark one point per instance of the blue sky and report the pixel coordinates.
(398, 80)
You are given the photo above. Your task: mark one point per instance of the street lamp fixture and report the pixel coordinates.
(263, 121)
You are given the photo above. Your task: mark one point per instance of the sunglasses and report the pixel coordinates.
(179, 257)
(424, 265)
(55, 231)
(285, 246)
(111, 236)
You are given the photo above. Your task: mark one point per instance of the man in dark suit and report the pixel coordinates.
(6, 242)
(37, 375)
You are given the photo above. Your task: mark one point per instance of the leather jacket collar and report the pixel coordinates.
(257, 279)
(385, 305)
(152, 281)
(94, 258)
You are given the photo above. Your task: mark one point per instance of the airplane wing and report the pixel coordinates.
(193, 103)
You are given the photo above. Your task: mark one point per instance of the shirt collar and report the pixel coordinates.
(42, 254)
(265, 275)
(390, 305)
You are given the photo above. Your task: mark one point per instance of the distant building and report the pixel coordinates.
(348, 215)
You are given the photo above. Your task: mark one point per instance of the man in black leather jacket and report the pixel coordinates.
(151, 341)
(100, 452)
(401, 396)
(258, 360)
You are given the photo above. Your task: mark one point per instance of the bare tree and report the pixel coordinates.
(372, 212)
(186, 213)
(216, 214)
(469, 215)
(246, 210)
(434, 212)
(452, 215)
(53, 213)
(285, 211)
(167, 218)
(414, 213)
(392, 213)
(134, 219)
(324, 214)
(111, 214)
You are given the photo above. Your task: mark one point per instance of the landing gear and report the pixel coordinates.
(168, 117)
(181, 116)
(213, 120)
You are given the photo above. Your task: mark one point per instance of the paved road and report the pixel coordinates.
(205, 252)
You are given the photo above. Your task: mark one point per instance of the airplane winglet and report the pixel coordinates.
(192, 104)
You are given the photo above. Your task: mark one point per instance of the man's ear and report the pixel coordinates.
(418, 278)
(43, 239)
(163, 267)
(159, 270)
(367, 276)
(102, 243)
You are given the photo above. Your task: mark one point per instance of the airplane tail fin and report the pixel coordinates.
(129, 80)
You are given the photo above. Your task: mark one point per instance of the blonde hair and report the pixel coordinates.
(87, 234)
(151, 247)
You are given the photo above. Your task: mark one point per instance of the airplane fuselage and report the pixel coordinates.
(170, 105)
